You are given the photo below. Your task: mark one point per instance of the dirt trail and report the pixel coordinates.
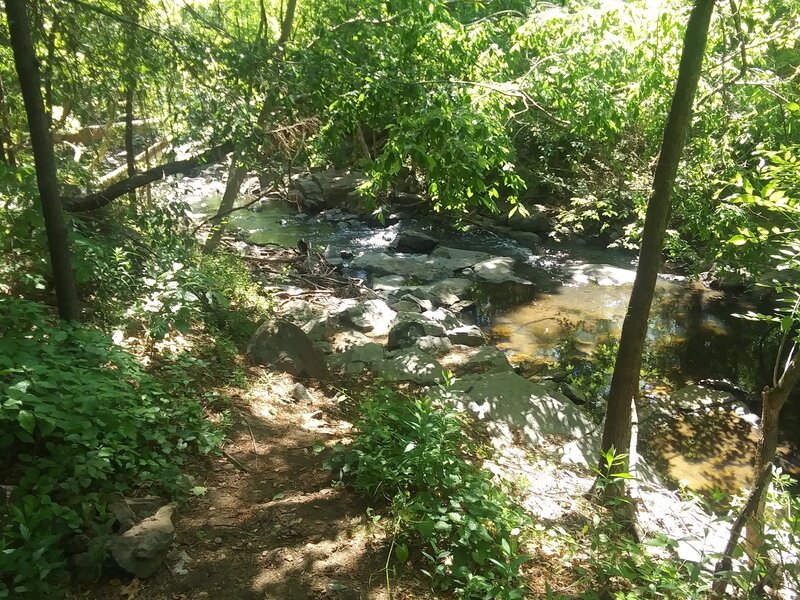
(271, 524)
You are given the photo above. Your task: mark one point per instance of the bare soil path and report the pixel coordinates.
(271, 525)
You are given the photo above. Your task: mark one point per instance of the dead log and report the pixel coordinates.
(105, 196)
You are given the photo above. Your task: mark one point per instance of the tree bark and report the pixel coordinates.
(44, 159)
(106, 196)
(236, 175)
(625, 380)
(5, 128)
(130, 155)
(773, 400)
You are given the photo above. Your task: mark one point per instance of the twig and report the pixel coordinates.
(235, 462)
(252, 437)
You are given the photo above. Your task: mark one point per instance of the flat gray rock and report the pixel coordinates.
(498, 270)
(466, 335)
(411, 365)
(507, 401)
(486, 360)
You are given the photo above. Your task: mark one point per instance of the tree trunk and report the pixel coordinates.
(44, 159)
(130, 155)
(773, 399)
(625, 380)
(5, 128)
(47, 75)
(236, 175)
(131, 11)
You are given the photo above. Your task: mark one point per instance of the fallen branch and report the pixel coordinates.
(99, 199)
(119, 172)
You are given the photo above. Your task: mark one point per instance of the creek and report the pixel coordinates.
(576, 306)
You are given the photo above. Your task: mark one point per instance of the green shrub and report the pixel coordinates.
(79, 419)
(447, 512)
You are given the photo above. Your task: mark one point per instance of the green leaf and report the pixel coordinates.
(425, 528)
(401, 553)
(738, 240)
(26, 420)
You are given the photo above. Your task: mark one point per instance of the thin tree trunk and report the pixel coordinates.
(725, 563)
(130, 155)
(44, 159)
(773, 399)
(47, 75)
(236, 175)
(625, 380)
(5, 128)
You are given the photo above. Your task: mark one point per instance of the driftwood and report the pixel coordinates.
(99, 199)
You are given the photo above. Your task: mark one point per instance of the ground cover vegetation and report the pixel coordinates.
(485, 107)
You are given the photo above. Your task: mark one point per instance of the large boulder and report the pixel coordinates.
(508, 402)
(414, 242)
(372, 316)
(411, 365)
(409, 327)
(142, 548)
(602, 274)
(536, 221)
(526, 239)
(357, 359)
(418, 267)
(338, 185)
(466, 335)
(308, 192)
(435, 346)
(443, 316)
(389, 283)
(498, 270)
(284, 346)
(439, 264)
(457, 259)
(486, 360)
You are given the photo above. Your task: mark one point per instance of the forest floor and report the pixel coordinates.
(271, 523)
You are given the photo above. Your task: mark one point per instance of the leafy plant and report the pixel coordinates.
(78, 419)
(448, 515)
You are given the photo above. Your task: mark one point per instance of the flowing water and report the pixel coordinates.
(578, 301)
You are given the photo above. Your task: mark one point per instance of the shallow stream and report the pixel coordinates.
(578, 301)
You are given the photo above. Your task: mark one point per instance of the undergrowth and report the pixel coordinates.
(79, 419)
(448, 517)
